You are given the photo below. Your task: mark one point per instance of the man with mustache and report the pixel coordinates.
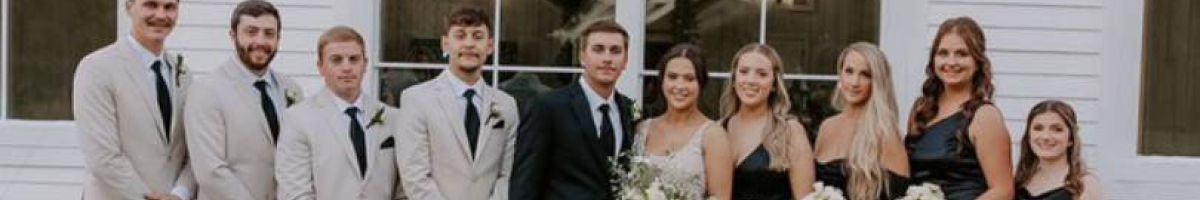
(233, 114)
(338, 144)
(127, 101)
(457, 132)
(567, 136)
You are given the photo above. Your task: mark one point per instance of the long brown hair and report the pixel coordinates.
(868, 177)
(1028, 165)
(778, 138)
(926, 106)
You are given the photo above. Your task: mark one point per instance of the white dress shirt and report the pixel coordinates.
(361, 115)
(460, 87)
(274, 92)
(594, 102)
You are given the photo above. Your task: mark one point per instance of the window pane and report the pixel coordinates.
(524, 86)
(809, 34)
(412, 30)
(393, 81)
(810, 100)
(1170, 114)
(44, 49)
(541, 32)
(719, 27)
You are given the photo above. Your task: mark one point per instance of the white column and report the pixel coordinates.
(903, 37)
(4, 61)
(631, 14)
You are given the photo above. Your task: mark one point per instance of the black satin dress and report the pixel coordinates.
(834, 174)
(935, 157)
(753, 180)
(1059, 193)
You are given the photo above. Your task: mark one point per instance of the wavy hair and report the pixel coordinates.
(926, 106)
(777, 139)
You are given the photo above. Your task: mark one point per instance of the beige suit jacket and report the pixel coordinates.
(232, 149)
(124, 142)
(435, 158)
(316, 159)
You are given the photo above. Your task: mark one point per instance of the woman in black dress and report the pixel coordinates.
(1051, 167)
(774, 158)
(957, 139)
(859, 150)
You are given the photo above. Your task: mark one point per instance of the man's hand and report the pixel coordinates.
(161, 196)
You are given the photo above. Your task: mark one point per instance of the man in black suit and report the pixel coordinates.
(567, 136)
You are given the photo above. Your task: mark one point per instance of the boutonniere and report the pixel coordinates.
(494, 114)
(377, 119)
(637, 111)
(290, 97)
(181, 69)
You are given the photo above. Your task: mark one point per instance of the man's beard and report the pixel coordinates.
(244, 55)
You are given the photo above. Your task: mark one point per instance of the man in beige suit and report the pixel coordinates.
(233, 113)
(128, 97)
(456, 132)
(338, 144)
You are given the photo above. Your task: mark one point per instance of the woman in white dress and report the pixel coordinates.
(692, 151)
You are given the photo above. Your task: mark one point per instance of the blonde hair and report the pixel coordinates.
(777, 139)
(868, 177)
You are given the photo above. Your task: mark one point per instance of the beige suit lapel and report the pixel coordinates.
(341, 133)
(247, 95)
(485, 126)
(448, 100)
(178, 93)
(137, 74)
(373, 132)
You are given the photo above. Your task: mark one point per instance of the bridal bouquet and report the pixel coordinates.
(823, 192)
(925, 191)
(640, 180)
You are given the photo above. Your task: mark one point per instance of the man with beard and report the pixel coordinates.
(456, 131)
(233, 114)
(127, 98)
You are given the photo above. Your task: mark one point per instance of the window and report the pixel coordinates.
(39, 75)
(807, 34)
(536, 50)
(1170, 114)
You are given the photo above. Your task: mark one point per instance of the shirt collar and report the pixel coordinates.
(343, 105)
(461, 86)
(594, 99)
(144, 55)
(245, 74)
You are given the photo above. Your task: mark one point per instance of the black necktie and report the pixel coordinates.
(607, 135)
(164, 98)
(472, 120)
(268, 109)
(357, 137)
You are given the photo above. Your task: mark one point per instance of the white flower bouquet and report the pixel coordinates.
(640, 180)
(924, 191)
(823, 192)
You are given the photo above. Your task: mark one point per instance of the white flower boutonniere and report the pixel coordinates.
(495, 110)
(290, 97)
(636, 111)
(925, 191)
(378, 119)
(824, 192)
(181, 69)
